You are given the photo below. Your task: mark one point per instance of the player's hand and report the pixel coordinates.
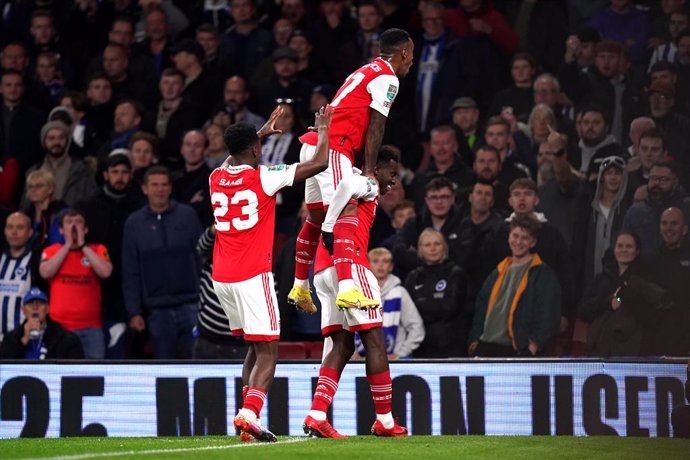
(327, 238)
(322, 118)
(270, 126)
(472, 348)
(137, 323)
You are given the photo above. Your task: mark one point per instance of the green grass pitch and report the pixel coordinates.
(358, 447)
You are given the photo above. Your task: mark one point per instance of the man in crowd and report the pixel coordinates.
(107, 210)
(190, 182)
(235, 97)
(519, 305)
(596, 143)
(487, 169)
(75, 270)
(160, 270)
(201, 90)
(39, 336)
(651, 148)
(465, 116)
(16, 278)
(497, 135)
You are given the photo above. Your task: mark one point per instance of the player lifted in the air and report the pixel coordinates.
(360, 108)
(341, 324)
(243, 195)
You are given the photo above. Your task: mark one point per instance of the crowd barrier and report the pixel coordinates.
(454, 397)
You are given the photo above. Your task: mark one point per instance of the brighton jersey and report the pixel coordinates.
(373, 86)
(244, 206)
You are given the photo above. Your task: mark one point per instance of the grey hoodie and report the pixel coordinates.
(588, 152)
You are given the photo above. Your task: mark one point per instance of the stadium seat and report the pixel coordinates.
(315, 350)
(292, 350)
(579, 338)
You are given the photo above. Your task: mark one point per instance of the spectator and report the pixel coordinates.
(100, 112)
(84, 140)
(624, 23)
(678, 21)
(124, 83)
(215, 153)
(487, 169)
(174, 116)
(438, 288)
(43, 209)
(333, 28)
(541, 117)
(673, 125)
(651, 147)
(498, 135)
(190, 182)
(603, 218)
(465, 117)
(358, 51)
(403, 328)
(160, 269)
(235, 97)
(394, 14)
(213, 339)
(21, 122)
(48, 74)
(282, 31)
(551, 247)
(563, 193)
(245, 43)
(16, 279)
(519, 305)
(663, 192)
(400, 213)
(580, 48)
(439, 213)
(127, 121)
(671, 267)
(73, 180)
(284, 84)
(215, 64)
(440, 74)
(201, 90)
(596, 143)
(9, 180)
(39, 337)
(107, 210)
(637, 127)
(15, 57)
(622, 304)
(476, 228)
(446, 162)
(156, 45)
(45, 39)
(520, 95)
(309, 66)
(547, 90)
(75, 270)
(144, 152)
(477, 18)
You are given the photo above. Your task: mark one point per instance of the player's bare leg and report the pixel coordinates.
(379, 378)
(316, 423)
(260, 378)
(349, 295)
(305, 251)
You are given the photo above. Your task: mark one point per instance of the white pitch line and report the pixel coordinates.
(165, 451)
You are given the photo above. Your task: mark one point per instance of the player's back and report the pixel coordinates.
(374, 86)
(244, 202)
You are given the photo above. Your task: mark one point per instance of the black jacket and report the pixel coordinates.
(106, 214)
(25, 135)
(59, 342)
(458, 173)
(439, 293)
(405, 245)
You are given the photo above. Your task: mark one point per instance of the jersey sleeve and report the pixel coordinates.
(102, 251)
(355, 187)
(273, 178)
(383, 90)
(50, 251)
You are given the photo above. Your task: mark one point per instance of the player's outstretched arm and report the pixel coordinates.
(319, 162)
(374, 138)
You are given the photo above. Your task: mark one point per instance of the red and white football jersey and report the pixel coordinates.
(371, 86)
(244, 206)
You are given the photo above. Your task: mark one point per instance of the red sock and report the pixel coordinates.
(254, 400)
(305, 249)
(245, 389)
(344, 246)
(325, 389)
(381, 391)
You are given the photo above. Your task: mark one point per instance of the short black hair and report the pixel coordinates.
(654, 133)
(662, 66)
(438, 183)
(527, 222)
(239, 138)
(392, 39)
(79, 100)
(156, 170)
(386, 155)
(670, 164)
(12, 72)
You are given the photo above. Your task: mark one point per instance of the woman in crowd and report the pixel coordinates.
(438, 288)
(43, 209)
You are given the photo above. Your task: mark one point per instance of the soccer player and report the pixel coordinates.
(341, 324)
(243, 195)
(360, 106)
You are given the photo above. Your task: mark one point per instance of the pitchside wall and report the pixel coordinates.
(499, 397)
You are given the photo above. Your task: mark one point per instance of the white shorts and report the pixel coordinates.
(251, 307)
(319, 189)
(350, 319)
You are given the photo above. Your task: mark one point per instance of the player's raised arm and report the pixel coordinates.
(319, 162)
(270, 126)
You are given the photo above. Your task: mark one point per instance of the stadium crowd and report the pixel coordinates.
(554, 127)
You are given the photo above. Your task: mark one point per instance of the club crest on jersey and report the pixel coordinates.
(441, 286)
(85, 262)
(392, 91)
(19, 271)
